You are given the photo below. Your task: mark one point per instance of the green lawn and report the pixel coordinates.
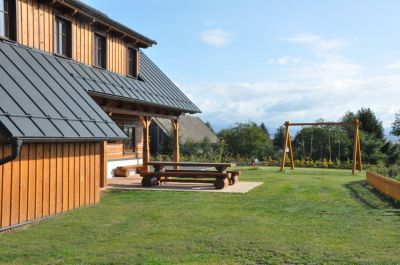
(307, 216)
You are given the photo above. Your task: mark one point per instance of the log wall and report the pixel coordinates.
(48, 179)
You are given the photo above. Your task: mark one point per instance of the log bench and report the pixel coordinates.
(123, 172)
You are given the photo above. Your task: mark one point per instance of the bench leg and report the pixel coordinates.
(233, 180)
(149, 181)
(221, 183)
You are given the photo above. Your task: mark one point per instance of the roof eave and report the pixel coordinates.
(102, 17)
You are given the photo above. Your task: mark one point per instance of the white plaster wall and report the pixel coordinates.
(112, 165)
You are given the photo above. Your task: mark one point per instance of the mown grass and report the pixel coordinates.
(307, 216)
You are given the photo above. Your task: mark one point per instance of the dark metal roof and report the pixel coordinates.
(155, 89)
(101, 15)
(39, 99)
(190, 128)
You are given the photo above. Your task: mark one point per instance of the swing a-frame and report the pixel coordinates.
(287, 143)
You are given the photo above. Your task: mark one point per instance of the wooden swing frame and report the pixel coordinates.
(287, 143)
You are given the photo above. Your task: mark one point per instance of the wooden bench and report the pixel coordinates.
(124, 172)
(221, 180)
(220, 177)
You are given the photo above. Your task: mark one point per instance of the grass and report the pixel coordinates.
(307, 216)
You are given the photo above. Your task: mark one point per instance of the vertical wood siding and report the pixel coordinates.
(47, 179)
(36, 29)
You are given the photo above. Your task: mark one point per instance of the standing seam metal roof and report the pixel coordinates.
(45, 96)
(37, 101)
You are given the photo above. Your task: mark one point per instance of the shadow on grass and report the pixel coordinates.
(371, 198)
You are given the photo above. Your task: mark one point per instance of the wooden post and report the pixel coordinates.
(145, 120)
(291, 150)
(285, 144)
(360, 165)
(355, 145)
(176, 151)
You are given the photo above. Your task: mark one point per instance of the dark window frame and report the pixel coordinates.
(133, 62)
(100, 61)
(130, 143)
(61, 48)
(9, 23)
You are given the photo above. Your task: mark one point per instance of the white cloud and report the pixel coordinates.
(317, 87)
(319, 44)
(286, 60)
(216, 37)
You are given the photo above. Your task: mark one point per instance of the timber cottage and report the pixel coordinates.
(77, 95)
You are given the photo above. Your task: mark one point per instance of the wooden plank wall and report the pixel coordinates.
(36, 29)
(35, 24)
(117, 55)
(386, 186)
(82, 42)
(48, 179)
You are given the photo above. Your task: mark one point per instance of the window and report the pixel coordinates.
(133, 62)
(8, 19)
(62, 39)
(100, 51)
(130, 143)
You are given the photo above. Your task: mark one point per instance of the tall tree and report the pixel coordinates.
(370, 123)
(265, 129)
(247, 140)
(208, 124)
(396, 125)
(279, 138)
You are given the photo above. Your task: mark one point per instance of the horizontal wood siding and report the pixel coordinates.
(36, 29)
(386, 186)
(47, 179)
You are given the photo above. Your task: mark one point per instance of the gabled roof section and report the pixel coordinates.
(190, 128)
(39, 99)
(152, 88)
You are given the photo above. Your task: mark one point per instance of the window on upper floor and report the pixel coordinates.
(100, 51)
(63, 37)
(133, 62)
(8, 19)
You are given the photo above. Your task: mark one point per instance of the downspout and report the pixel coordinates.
(15, 150)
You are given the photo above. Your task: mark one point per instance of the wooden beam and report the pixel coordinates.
(285, 145)
(146, 120)
(116, 110)
(321, 124)
(291, 153)
(355, 145)
(176, 151)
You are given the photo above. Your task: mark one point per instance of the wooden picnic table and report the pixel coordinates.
(192, 171)
(159, 166)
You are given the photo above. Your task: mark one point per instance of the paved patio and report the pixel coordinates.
(134, 183)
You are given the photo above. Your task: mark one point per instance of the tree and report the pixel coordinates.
(279, 138)
(208, 124)
(247, 140)
(370, 123)
(396, 125)
(265, 129)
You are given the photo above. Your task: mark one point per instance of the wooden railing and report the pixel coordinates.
(387, 186)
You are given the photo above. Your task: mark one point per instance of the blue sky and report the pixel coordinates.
(271, 61)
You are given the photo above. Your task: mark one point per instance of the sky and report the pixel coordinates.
(272, 61)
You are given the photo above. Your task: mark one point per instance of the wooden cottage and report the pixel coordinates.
(77, 96)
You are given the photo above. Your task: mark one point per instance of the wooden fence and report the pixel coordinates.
(386, 186)
(48, 179)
